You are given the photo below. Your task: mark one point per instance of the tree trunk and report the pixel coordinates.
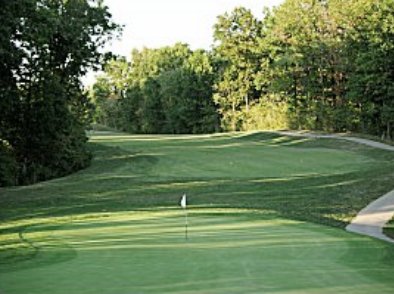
(233, 121)
(247, 102)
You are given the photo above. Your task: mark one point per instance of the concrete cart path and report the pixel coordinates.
(371, 219)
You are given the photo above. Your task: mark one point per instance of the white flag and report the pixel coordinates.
(183, 201)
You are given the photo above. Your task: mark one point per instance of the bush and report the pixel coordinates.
(268, 114)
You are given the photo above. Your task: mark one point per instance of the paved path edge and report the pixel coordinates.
(371, 220)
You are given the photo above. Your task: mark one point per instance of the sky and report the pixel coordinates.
(158, 23)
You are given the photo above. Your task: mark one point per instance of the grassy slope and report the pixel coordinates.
(320, 181)
(324, 181)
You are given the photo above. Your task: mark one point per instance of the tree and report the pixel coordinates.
(236, 38)
(371, 76)
(310, 63)
(167, 90)
(47, 46)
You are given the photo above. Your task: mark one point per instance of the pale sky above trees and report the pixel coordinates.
(157, 23)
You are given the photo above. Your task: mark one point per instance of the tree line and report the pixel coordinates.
(165, 90)
(307, 64)
(46, 46)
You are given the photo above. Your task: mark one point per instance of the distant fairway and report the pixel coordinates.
(257, 205)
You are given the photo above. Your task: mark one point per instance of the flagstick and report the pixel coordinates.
(186, 223)
(183, 204)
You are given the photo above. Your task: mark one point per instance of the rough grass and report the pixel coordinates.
(82, 226)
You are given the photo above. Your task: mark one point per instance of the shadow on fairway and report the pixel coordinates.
(26, 253)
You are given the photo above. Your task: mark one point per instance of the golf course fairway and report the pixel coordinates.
(265, 215)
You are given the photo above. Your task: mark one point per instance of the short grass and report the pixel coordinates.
(228, 251)
(389, 229)
(259, 209)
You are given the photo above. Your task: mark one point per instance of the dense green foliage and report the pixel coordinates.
(331, 63)
(308, 64)
(237, 36)
(166, 90)
(45, 47)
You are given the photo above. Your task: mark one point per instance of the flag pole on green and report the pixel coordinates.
(184, 206)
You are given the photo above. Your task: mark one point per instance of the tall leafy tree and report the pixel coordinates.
(236, 38)
(310, 65)
(167, 90)
(371, 73)
(46, 47)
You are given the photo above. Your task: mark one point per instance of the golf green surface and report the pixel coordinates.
(266, 215)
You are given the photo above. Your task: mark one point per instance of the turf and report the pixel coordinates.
(228, 251)
(389, 229)
(259, 209)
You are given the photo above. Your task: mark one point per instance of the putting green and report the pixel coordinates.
(228, 251)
